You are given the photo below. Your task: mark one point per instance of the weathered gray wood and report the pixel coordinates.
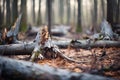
(27, 48)
(87, 44)
(17, 49)
(22, 70)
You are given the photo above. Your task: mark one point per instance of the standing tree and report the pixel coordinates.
(111, 11)
(33, 11)
(61, 10)
(24, 15)
(14, 10)
(8, 13)
(49, 9)
(0, 16)
(118, 13)
(95, 16)
(103, 8)
(68, 11)
(39, 20)
(79, 26)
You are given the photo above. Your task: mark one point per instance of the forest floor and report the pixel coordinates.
(107, 64)
(103, 61)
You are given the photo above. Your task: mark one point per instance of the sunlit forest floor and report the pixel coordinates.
(102, 61)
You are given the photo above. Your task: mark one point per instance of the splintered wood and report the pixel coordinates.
(44, 35)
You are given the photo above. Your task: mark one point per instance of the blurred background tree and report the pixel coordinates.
(82, 13)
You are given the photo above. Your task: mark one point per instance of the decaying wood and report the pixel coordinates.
(106, 33)
(27, 48)
(59, 30)
(45, 48)
(85, 44)
(11, 69)
(17, 49)
(36, 51)
(10, 36)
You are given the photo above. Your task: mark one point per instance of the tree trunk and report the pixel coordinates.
(33, 11)
(27, 48)
(17, 49)
(95, 16)
(39, 19)
(14, 10)
(103, 9)
(8, 13)
(22, 70)
(61, 11)
(111, 11)
(118, 13)
(49, 8)
(1, 21)
(68, 11)
(24, 16)
(79, 24)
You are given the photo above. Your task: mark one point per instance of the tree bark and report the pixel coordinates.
(49, 8)
(27, 48)
(68, 11)
(61, 10)
(8, 13)
(79, 27)
(1, 21)
(23, 10)
(39, 19)
(14, 10)
(17, 49)
(33, 10)
(11, 69)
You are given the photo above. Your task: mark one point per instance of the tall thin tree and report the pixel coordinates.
(24, 15)
(33, 11)
(8, 13)
(39, 19)
(49, 8)
(79, 26)
(68, 11)
(14, 10)
(61, 10)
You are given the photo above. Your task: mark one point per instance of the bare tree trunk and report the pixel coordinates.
(111, 11)
(49, 7)
(68, 11)
(24, 16)
(61, 10)
(79, 24)
(1, 20)
(3, 16)
(8, 13)
(103, 9)
(95, 16)
(11, 69)
(39, 19)
(14, 10)
(118, 13)
(33, 11)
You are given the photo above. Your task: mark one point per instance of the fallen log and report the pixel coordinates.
(60, 30)
(17, 49)
(27, 48)
(11, 69)
(85, 44)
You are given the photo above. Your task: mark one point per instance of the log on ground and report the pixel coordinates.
(11, 69)
(27, 48)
